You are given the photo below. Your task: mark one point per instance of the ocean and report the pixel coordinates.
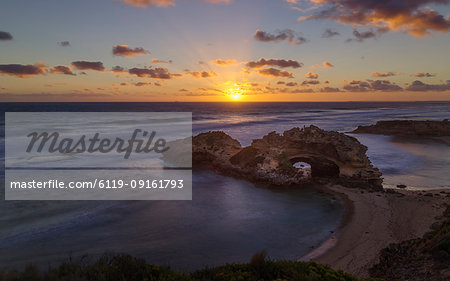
(228, 219)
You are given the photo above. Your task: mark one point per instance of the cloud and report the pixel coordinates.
(274, 62)
(291, 84)
(301, 91)
(124, 84)
(202, 74)
(125, 51)
(310, 82)
(384, 85)
(146, 3)
(88, 65)
(371, 85)
(5, 35)
(118, 69)
(275, 73)
(327, 64)
(328, 33)
(409, 16)
(218, 1)
(312, 75)
(163, 3)
(281, 83)
(280, 35)
(422, 74)
(62, 69)
(156, 73)
(142, 84)
(361, 36)
(64, 44)
(224, 62)
(39, 97)
(21, 70)
(418, 86)
(329, 90)
(384, 74)
(156, 61)
(357, 86)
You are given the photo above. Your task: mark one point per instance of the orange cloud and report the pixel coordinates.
(275, 73)
(62, 69)
(408, 16)
(224, 62)
(383, 74)
(163, 3)
(202, 74)
(312, 75)
(327, 64)
(126, 51)
(422, 74)
(146, 3)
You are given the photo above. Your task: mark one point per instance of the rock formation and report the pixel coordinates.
(408, 128)
(334, 157)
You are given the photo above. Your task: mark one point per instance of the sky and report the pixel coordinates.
(224, 50)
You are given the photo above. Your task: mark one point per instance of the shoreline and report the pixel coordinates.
(373, 220)
(328, 244)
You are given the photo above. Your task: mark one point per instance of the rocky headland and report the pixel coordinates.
(407, 128)
(334, 158)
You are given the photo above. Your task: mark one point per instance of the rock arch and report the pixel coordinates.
(333, 157)
(321, 167)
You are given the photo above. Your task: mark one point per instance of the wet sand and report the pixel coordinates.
(373, 221)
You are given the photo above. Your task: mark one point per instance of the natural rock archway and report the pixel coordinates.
(320, 167)
(333, 157)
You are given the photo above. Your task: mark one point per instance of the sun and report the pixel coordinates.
(236, 96)
(235, 93)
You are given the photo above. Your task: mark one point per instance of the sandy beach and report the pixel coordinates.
(373, 221)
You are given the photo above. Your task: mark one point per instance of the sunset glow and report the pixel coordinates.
(281, 51)
(235, 93)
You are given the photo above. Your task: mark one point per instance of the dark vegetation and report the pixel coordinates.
(126, 267)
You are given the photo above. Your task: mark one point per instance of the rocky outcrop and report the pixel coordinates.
(411, 128)
(334, 157)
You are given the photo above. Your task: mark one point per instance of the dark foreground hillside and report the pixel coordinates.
(125, 267)
(426, 258)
